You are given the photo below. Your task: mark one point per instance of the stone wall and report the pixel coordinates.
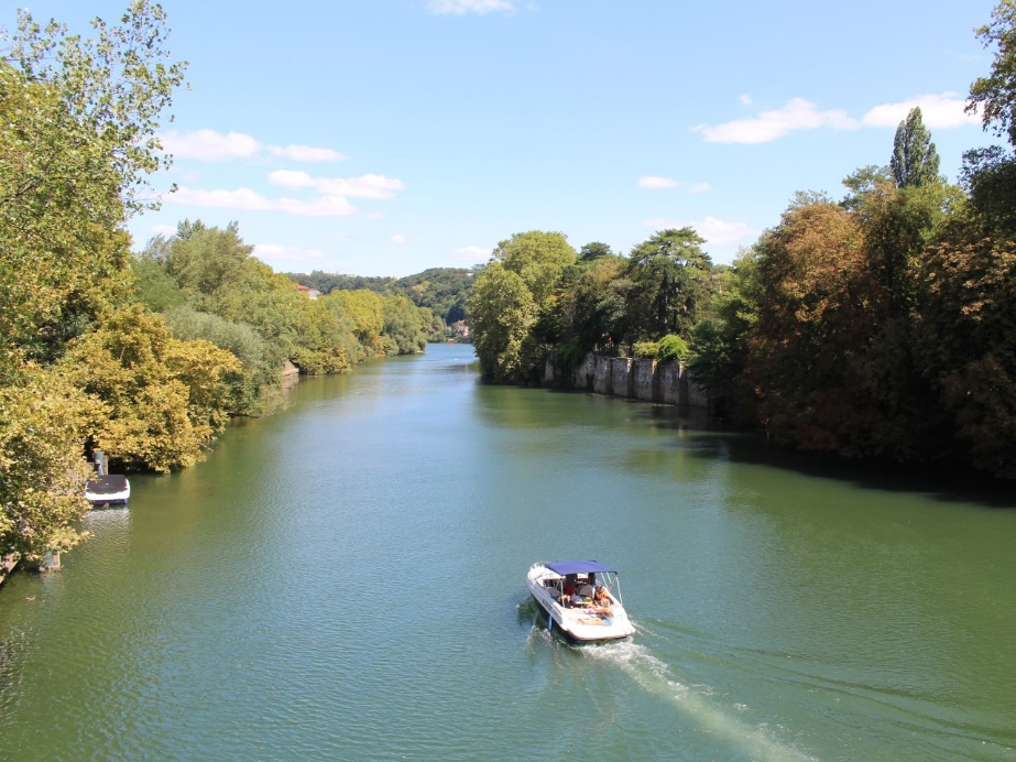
(665, 383)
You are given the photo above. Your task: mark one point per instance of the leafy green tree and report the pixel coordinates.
(114, 87)
(366, 310)
(253, 389)
(593, 251)
(43, 421)
(160, 399)
(995, 95)
(670, 273)
(539, 258)
(720, 341)
(404, 325)
(78, 141)
(598, 305)
(863, 180)
(502, 312)
(989, 176)
(914, 161)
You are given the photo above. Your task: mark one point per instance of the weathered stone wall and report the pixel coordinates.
(644, 380)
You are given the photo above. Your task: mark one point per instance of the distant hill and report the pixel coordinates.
(443, 289)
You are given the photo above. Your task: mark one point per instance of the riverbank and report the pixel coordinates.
(644, 380)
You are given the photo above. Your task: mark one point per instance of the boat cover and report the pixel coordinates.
(107, 485)
(577, 567)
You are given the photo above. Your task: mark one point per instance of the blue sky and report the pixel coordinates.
(383, 137)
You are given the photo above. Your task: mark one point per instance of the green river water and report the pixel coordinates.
(345, 580)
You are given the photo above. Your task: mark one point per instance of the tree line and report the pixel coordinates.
(879, 325)
(442, 290)
(143, 355)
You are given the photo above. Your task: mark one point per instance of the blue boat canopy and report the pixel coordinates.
(577, 567)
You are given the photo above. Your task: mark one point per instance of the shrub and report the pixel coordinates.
(672, 347)
(645, 350)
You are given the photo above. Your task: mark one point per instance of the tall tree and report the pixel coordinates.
(670, 272)
(995, 95)
(539, 258)
(502, 313)
(914, 161)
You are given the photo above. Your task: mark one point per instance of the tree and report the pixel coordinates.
(966, 343)
(539, 258)
(593, 251)
(501, 312)
(804, 361)
(114, 87)
(670, 273)
(995, 95)
(914, 161)
(78, 141)
(160, 399)
(43, 419)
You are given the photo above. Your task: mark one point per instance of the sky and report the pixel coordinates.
(384, 137)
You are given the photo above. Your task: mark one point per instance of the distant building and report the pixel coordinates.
(461, 329)
(310, 293)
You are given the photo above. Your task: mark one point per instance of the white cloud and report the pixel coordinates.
(209, 145)
(246, 199)
(796, 114)
(270, 252)
(745, 99)
(398, 238)
(472, 254)
(291, 178)
(655, 183)
(462, 7)
(307, 153)
(651, 181)
(716, 232)
(938, 111)
(164, 229)
(365, 186)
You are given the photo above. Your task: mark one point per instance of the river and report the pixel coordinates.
(345, 580)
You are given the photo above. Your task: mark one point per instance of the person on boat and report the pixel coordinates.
(601, 606)
(569, 585)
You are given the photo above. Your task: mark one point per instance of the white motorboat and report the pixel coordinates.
(108, 490)
(581, 598)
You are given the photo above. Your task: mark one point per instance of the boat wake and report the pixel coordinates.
(691, 702)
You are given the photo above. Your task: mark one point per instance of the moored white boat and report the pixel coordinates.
(108, 490)
(581, 598)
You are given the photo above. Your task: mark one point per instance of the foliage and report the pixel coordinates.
(113, 87)
(966, 341)
(161, 399)
(539, 258)
(252, 388)
(593, 251)
(995, 95)
(670, 275)
(672, 347)
(78, 141)
(501, 313)
(812, 317)
(989, 176)
(43, 418)
(443, 290)
(914, 161)
(645, 350)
